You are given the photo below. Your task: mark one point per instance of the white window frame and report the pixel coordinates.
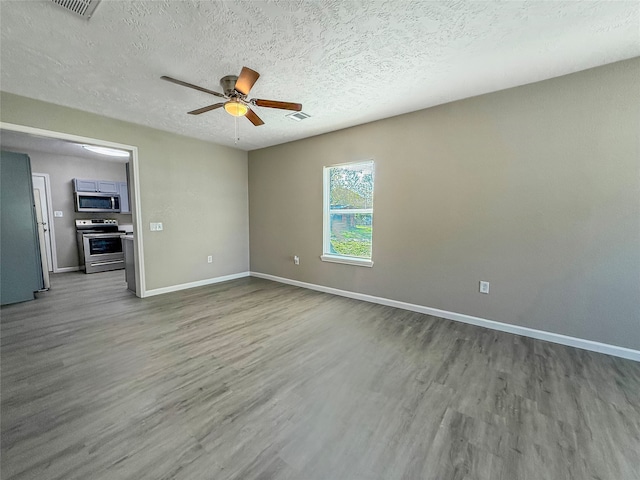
(326, 215)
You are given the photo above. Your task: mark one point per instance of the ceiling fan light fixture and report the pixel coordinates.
(236, 108)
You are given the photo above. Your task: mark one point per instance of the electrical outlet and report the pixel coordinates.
(484, 287)
(156, 227)
(210, 259)
(58, 214)
(296, 260)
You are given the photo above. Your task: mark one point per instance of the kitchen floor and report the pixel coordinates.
(252, 379)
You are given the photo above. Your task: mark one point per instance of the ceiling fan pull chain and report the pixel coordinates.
(237, 138)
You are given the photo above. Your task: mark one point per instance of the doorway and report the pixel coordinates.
(134, 189)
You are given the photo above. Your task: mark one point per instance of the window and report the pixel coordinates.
(348, 213)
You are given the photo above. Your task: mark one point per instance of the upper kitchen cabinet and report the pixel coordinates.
(123, 190)
(103, 186)
(84, 185)
(108, 186)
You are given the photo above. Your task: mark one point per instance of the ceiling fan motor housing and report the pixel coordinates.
(228, 85)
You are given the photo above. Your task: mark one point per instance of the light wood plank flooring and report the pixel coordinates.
(252, 379)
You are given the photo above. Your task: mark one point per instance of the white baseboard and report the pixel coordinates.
(605, 348)
(199, 283)
(66, 269)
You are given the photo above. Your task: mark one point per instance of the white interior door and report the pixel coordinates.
(39, 184)
(41, 238)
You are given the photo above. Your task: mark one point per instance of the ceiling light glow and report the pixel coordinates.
(112, 152)
(235, 108)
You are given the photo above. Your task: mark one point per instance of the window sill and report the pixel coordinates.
(358, 262)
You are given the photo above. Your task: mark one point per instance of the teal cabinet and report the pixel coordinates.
(21, 271)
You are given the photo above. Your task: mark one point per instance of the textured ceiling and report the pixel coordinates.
(348, 62)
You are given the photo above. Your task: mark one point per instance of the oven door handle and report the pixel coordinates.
(101, 235)
(110, 262)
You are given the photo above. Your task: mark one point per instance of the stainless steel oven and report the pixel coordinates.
(99, 245)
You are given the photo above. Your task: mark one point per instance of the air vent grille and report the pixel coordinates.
(297, 116)
(83, 8)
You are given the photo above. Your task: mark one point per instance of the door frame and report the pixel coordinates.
(134, 187)
(50, 226)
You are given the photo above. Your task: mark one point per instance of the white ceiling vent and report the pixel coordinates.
(83, 8)
(297, 116)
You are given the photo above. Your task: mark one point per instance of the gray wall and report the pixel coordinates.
(197, 189)
(62, 169)
(535, 189)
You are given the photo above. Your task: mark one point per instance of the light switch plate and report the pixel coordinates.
(156, 226)
(58, 214)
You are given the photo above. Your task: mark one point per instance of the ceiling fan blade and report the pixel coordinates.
(205, 109)
(246, 80)
(190, 85)
(253, 118)
(275, 104)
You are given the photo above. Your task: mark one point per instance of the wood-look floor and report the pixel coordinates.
(252, 379)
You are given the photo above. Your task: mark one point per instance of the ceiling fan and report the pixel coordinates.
(235, 91)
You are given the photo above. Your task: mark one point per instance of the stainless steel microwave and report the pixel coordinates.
(96, 202)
